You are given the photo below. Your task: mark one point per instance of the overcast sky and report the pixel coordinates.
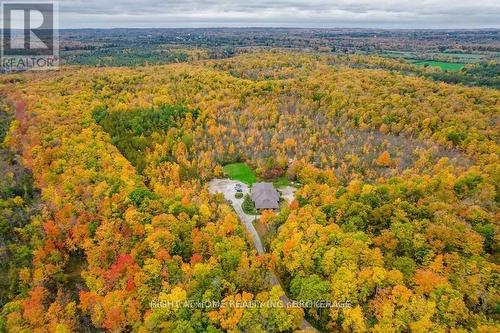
(280, 13)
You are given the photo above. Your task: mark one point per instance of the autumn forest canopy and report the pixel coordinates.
(104, 205)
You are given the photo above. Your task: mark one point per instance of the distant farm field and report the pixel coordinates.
(450, 66)
(241, 172)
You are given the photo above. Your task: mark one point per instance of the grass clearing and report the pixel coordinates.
(450, 66)
(241, 172)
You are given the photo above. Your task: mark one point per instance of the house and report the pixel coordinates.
(265, 196)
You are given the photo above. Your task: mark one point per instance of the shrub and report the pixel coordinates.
(138, 196)
(248, 206)
(455, 137)
(238, 195)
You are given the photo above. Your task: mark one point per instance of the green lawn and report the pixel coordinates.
(241, 172)
(450, 66)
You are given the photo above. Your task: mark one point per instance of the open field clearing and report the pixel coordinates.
(446, 66)
(241, 172)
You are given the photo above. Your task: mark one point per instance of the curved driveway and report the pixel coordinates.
(227, 188)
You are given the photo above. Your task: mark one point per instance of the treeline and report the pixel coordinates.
(485, 73)
(132, 55)
(137, 131)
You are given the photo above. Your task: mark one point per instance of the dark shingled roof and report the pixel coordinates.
(265, 196)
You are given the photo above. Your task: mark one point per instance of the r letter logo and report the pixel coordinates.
(29, 36)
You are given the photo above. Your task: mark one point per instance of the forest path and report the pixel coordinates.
(227, 188)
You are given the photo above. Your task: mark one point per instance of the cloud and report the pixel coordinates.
(297, 13)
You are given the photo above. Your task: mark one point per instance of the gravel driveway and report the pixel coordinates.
(227, 188)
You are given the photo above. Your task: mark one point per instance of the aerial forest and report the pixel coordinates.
(105, 211)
